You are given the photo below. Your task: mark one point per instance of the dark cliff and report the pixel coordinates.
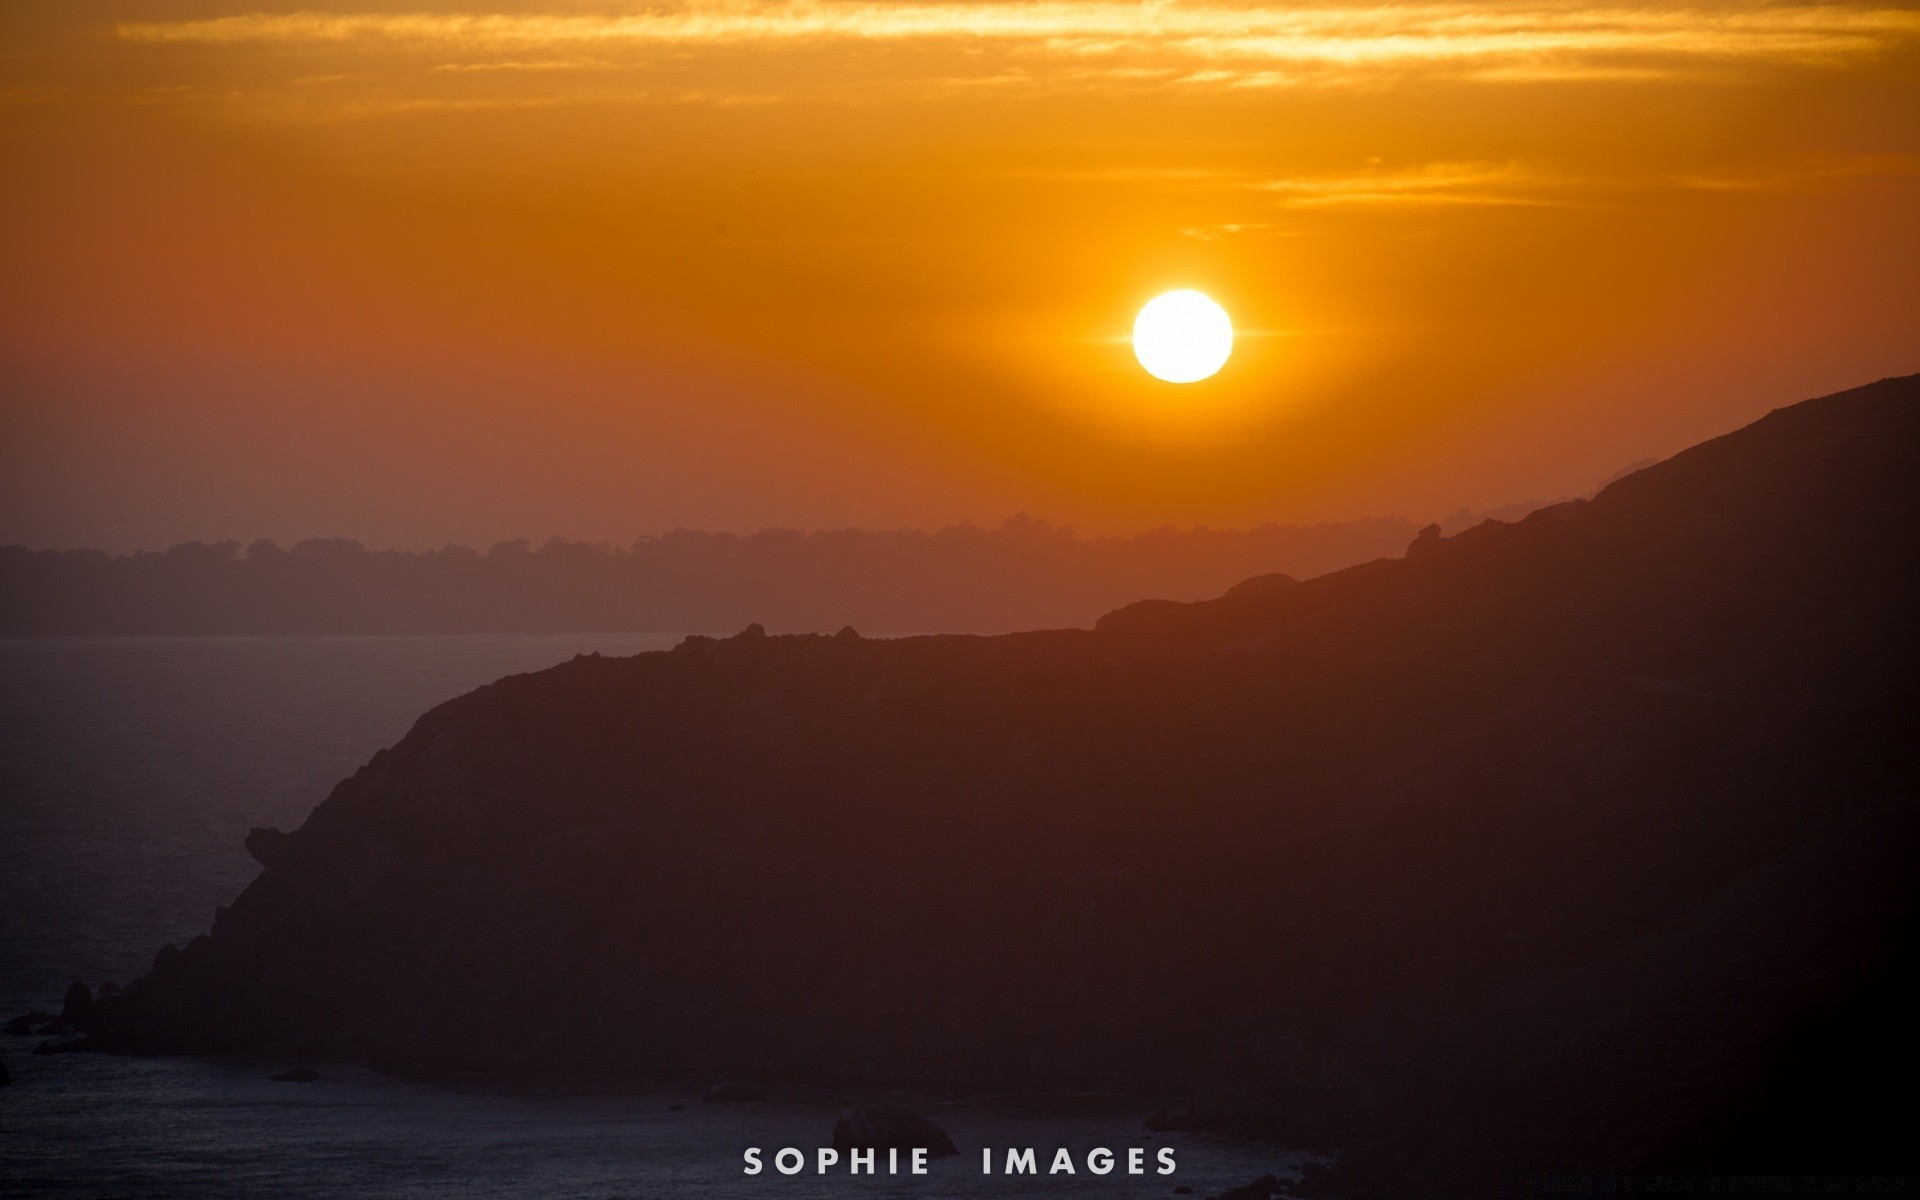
(1581, 843)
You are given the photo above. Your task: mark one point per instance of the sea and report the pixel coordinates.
(130, 771)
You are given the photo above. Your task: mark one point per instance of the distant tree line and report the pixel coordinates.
(1026, 574)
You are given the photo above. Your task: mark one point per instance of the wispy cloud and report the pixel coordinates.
(1445, 183)
(1861, 169)
(1547, 72)
(1228, 44)
(545, 64)
(23, 97)
(1215, 233)
(1521, 184)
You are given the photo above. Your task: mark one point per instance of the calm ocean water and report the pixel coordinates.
(130, 770)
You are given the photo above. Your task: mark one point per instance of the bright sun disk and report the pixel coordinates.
(1182, 337)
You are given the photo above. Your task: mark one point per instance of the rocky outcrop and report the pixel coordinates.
(1582, 842)
(885, 1128)
(267, 846)
(1264, 1188)
(76, 1009)
(1260, 585)
(1425, 543)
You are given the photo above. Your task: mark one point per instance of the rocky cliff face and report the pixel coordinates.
(1581, 843)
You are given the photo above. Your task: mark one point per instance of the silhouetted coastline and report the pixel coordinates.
(1582, 843)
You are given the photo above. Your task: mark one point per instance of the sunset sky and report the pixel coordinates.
(428, 272)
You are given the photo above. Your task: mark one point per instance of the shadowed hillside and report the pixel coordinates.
(1581, 843)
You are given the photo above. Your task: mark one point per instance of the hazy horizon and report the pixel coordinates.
(487, 545)
(1450, 521)
(1022, 574)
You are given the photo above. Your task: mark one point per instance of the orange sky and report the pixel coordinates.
(430, 272)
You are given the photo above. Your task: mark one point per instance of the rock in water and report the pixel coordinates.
(1264, 1188)
(297, 1075)
(882, 1128)
(76, 1011)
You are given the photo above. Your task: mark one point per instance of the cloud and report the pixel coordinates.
(1445, 183)
(1845, 170)
(1571, 73)
(548, 64)
(1508, 184)
(25, 97)
(1224, 44)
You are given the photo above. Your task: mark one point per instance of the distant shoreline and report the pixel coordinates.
(1022, 575)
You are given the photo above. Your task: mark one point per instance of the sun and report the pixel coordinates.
(1182, 337)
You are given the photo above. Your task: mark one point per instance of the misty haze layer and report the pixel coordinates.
(1024, 575)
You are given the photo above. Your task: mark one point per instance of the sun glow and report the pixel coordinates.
(1182, 337)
